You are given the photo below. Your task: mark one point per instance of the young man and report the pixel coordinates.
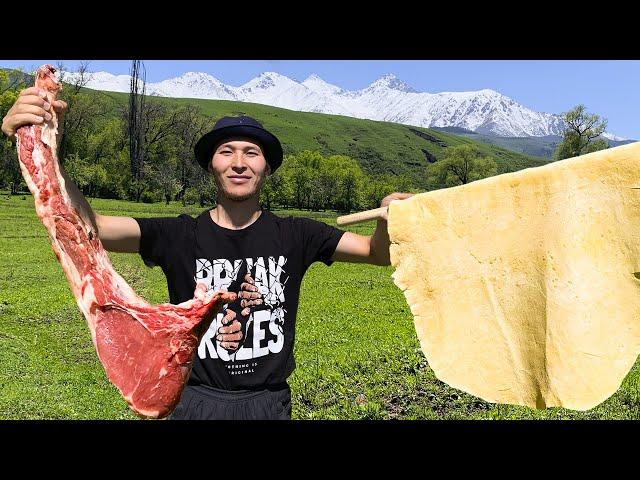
(244, 359)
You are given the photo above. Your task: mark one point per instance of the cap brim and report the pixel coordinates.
(269, 142)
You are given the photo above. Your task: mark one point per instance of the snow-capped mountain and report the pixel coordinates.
(192, 85)
(387, 99)
(613, 137)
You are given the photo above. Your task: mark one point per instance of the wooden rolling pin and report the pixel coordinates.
(360, 217)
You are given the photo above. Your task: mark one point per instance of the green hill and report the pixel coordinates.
(379, 147)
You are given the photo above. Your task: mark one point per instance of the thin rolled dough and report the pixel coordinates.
(525, 287)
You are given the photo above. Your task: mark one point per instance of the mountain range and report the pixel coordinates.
(485, 112)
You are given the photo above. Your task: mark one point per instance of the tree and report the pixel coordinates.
(71, 93)
(165, 179)
(190, 125)
(376, 188)
(461, 164)
(206, 187)
(10, 174)
(349, 182)
(135, 126)
(83, 120)
(581, 134)
(89, 176)
(158, 128)
(349, 191)
(277, 188)
(271, 188)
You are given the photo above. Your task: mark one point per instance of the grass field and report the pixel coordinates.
(357, 352)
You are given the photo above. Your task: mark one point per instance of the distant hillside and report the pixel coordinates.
(534, 146)
(379, 147)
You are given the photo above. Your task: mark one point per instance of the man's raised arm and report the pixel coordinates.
(373, 249)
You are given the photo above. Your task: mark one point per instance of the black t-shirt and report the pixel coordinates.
(276, 251)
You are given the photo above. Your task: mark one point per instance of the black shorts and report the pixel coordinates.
(207, 403)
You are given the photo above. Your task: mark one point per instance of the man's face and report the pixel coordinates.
(239, 168)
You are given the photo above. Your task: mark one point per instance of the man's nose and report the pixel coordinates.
(237, 163)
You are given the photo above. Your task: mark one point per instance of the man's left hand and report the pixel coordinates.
(389, 198)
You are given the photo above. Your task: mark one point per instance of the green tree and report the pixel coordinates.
(344, 183)
(190, 126)
(376, 188)
(10, 174)
(277, 189)
(461, 164)
(349, 191)
(164, 177)
(582, 134)
(206, 188)
(104, 147)
(271, 189)
(89, 176)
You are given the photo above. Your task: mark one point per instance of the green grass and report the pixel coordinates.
(356, 349)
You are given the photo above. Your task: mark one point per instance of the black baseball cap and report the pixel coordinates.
(242, 126)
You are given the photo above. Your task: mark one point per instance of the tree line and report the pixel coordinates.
(96, 142)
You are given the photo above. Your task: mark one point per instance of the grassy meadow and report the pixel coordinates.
(357, 352)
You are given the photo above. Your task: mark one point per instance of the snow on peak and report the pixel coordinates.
(267, 80)
(192, 85)
(611, 136)
(317, 84)
(392, 82)
(101, 81)
(387, 99)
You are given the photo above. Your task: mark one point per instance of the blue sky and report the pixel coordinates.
(609, 88)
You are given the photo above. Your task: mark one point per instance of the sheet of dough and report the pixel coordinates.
(522, 285)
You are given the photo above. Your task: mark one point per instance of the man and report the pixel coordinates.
(244, 359)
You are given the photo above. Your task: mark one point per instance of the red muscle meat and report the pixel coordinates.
(146, 350)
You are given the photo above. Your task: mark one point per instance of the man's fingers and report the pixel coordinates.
(390, 198)
(248, 287)
(30, 108)
(249, 295)
(401, 196)
(59, 105)
(30, 100)
(229, 337)
(34, 109)
(246, 311)
(249, 279)
(228, 317)
(230, 345)
(250, 303)
(21, 120)
(33, 91)
(232, 333)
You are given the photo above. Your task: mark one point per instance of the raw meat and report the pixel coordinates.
(146, 350)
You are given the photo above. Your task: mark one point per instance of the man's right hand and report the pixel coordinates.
(30, 108)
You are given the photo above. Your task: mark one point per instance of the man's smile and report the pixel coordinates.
(239, 179)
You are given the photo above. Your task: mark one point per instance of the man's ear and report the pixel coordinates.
(268, 169)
